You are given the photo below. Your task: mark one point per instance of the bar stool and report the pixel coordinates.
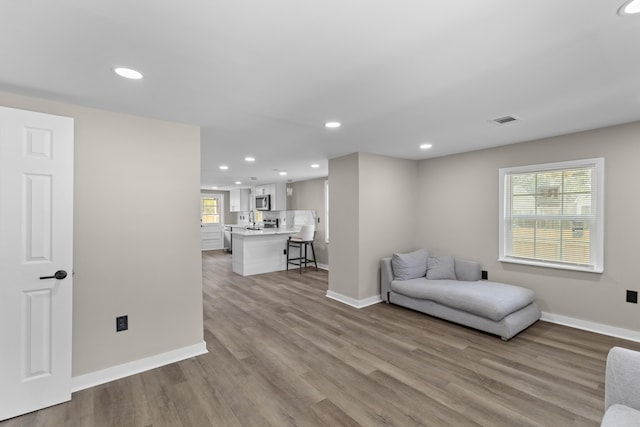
(303, 238)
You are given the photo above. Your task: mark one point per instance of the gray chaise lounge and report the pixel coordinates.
(456, 293)
(622, 388)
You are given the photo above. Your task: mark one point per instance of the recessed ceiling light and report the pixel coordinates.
(283, 173)
(249, 159)
(224, 167)
(425, 146)
(215, 187)
(128, 73)
(238, 182)
(630, 7)
(332, 125)
(315, 165)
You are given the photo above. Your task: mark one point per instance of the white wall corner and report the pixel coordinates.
(354, 302)
(103, 376)
(598, 328)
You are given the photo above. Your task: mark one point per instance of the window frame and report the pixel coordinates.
(597, 233)
(220, 214)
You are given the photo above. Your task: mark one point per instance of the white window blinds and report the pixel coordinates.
(552, 215)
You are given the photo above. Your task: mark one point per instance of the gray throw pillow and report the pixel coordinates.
(410, 265)
(440, 268)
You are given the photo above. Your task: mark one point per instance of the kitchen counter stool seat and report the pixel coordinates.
(302, 240)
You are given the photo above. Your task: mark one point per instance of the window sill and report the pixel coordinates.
(597, 269)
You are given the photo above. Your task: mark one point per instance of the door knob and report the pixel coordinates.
(60, 274)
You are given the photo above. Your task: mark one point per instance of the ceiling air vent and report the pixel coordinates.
(504, 120)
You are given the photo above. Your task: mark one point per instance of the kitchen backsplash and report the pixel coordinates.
(292, 219)
(287, 219)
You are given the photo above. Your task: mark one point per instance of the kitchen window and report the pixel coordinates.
(552, 215)
(210, 209)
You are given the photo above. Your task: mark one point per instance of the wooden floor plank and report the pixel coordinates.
(283, 354)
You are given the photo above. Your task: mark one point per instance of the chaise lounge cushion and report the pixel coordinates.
(440, 268)
(485, 299)
(410, 265)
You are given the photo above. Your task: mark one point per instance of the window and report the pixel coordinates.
(552, 215)
(210, 209)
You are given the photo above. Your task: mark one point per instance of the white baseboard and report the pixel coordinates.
(354, 302)
(598, 328)
(93, 379)
(323, 266)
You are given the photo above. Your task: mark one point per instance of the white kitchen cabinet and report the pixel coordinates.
(263, 190)
(234, 200)
(279, 197)
(240, 200)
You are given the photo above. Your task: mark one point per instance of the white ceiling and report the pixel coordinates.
(262, 76)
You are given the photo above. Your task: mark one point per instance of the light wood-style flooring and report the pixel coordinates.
(283, 354)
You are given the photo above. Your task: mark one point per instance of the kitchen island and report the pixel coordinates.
(260, 251)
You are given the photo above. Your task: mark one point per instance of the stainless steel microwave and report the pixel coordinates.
(263, 203)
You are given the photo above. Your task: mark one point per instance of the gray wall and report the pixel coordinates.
(372, 203)
(387, 214)
(309, 195)
(343, 226)
(136, 234)
(458, 205)
(381, 205)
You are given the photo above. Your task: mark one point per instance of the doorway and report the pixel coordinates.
(36, 260)
(211, 221)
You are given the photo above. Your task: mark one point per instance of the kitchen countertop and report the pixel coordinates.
(264, 231)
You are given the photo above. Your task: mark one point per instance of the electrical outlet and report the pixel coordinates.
(122, 323)
(632, 297)
(485, 275)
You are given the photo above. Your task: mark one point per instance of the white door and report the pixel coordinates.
(211, 220)
(36, 241)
